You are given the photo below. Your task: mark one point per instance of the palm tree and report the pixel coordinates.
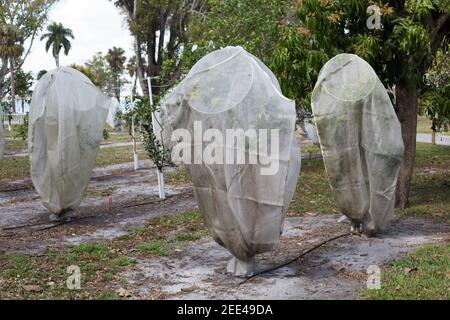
(116, 60)
(132, 72)
(58, 36)
(11, 48)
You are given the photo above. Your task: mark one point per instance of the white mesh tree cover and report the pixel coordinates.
(67, 118)
(2, 137)
(361, 140)
(243, 209)
(111, 118)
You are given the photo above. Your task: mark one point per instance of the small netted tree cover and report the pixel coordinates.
(67, 118)
(361, 140)
(243, 208)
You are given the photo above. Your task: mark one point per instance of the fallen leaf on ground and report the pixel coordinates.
(409, 270)
(189, 289)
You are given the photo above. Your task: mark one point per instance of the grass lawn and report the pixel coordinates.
(44, 276)
(432, 174)
(19, 167)
(424, 274)
(424, 126)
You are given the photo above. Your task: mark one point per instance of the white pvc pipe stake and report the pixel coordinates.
(135, 154)
(161, 187)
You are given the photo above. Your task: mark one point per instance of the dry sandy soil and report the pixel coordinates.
(335, 271)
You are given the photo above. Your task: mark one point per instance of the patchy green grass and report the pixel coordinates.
(311, 149)
(117, 137)
(429, 156)
(155, 248)
(116, 155)
(17, 145)
(430, 197)
(47, 275)
(178, 176)
(14, 168)
(123, 261)
(164, 234)
(313, 194)
(100, 263)
(422, 275)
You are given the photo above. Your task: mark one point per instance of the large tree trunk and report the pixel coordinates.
(13, 86)
(407, 107)
(57, 60)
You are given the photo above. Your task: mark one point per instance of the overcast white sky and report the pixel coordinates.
(97, 26)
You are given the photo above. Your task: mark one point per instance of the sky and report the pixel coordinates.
(97, 26)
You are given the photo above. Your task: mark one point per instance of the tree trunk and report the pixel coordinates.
(57, 60)
(133, 92)
(13, 86)
(140, 68)
(433, 133)
(407, 108)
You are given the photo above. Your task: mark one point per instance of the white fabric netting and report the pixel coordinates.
(243, 209)
(361, 140)
(67, 118)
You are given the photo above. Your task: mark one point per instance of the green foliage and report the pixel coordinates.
(252, 24)
(116, 60)
(99, 67)
(142, 112)
(436, 95)
(41, 74)
(22, 129)
(24, 82)
(87, 72)
(400, 52)
(106, 134)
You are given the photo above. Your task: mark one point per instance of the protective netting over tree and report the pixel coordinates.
(67, 118)
(361, 140)
(112, 113)
(2, 137)
(244, 203)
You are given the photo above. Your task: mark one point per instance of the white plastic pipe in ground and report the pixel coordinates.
(160, 174)
(135, 154)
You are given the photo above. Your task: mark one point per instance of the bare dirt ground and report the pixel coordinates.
(335, 271)
(118, 198)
